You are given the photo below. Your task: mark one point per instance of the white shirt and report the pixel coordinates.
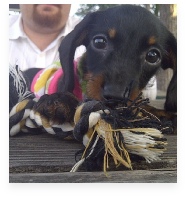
(24, 53)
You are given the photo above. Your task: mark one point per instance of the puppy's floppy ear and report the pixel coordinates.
(171, 62)
(67, 49)
(170, 59)
(171, 97)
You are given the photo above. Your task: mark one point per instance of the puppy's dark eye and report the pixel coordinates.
(153, 56)
(100, 42)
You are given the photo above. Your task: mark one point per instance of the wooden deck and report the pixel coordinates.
(44, 158)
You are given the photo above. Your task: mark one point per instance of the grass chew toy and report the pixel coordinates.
(116, 129)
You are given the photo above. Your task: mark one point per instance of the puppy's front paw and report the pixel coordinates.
(55, 113)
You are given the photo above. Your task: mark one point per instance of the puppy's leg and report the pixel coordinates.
(163, 115)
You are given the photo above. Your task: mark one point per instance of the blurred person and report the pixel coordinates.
(36, 33)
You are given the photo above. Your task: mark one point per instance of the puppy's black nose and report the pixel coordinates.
(109, 97)
(111, 92)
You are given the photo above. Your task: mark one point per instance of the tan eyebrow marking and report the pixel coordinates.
(112, 33)
(152, 40)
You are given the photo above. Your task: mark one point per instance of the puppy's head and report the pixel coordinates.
(125, 46)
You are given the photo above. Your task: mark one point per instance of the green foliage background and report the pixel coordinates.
(86, 8)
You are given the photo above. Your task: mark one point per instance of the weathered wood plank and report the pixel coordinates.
(137, 176)
(46, 153)
(41, 153)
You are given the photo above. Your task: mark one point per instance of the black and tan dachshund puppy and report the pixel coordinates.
(125, 46)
